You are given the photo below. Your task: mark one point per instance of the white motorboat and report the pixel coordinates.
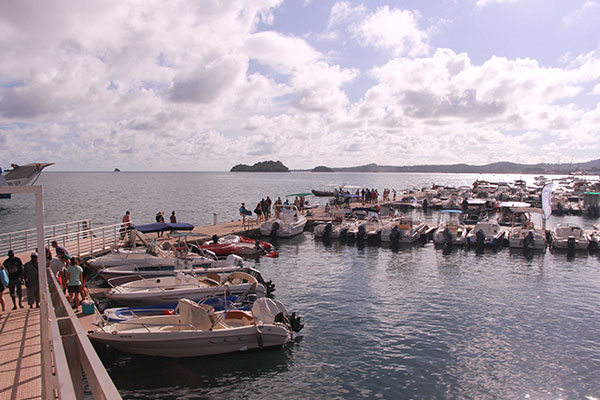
(336, 228)
(526, 235)
(288, 222)
(506, 212)
(450, 230)
(488, 232)
(196, 330)
(402, 230)
(169, 289)
(366, 226)
(155, 266)
(569, 237)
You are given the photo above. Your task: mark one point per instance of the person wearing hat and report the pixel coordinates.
(30, 273)
(14, 267)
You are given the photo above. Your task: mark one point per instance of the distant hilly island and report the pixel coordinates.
(590, 167)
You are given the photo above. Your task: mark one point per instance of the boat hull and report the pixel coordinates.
(194, 343)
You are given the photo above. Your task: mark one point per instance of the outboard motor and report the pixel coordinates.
(593, 247)
(571, 246)
(290, 320)
(327, 231)
(447, 241)
(274, 229)
(447, 237)
(215, 239)
(395, 236)
(480, 240)
(528, 241)
(360, 235)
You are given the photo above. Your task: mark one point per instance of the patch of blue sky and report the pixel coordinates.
(156, 86)
(14, 125)
(255, 66)
(13, 85)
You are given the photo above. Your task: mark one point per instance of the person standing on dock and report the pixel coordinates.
(14, 267)
(74, 280)
(160, 217)
(173, 218)
(126, 225)
(30, 273)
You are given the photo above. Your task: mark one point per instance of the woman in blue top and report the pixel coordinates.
(74, 279)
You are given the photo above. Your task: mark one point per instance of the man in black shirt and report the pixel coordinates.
(14, 267)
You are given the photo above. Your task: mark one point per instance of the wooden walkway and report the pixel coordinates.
(20, 351)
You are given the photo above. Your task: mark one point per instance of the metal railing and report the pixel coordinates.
(89, 241)
(25, 240)
(66, 349)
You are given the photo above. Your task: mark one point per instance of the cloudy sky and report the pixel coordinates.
(204, 85)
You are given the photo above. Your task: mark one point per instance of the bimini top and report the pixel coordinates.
(451, 211)
(163, 226)
(528, 210)
(513, 204)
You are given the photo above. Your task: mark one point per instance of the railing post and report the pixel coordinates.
(26, 242)
(103, 239)
(10, 240)
(91, 244)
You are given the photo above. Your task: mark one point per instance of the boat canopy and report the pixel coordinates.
(366, 209)
(299, 194)
(163, 226)
(513, 204)
(528, 210)
(476, 202)
(451, 211)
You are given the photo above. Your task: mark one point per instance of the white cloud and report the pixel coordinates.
(483, 3)
(589, 10)
(394, 30)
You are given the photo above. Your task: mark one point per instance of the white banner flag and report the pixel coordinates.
(547, 200)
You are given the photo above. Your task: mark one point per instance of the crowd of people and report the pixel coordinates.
(70, 271)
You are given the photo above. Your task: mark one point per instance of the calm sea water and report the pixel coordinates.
(412, 323)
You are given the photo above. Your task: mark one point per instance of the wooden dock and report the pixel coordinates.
(20, 349)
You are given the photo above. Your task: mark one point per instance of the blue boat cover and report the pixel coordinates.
(163, 226)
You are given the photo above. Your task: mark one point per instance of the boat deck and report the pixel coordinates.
(20, 348)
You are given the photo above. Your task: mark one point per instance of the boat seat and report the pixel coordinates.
(404, 227)
(214, 276)
(194, 315)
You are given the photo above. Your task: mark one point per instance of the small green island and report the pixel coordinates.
(322, 168)
(263, 166)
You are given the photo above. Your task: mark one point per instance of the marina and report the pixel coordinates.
(371, 261)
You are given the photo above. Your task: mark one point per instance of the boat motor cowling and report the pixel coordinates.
(480, 238)
(395, 235)
(362, 231)
(447, 236)
(327, 231)
(528, 241)
(274, 229)
(571, 245)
